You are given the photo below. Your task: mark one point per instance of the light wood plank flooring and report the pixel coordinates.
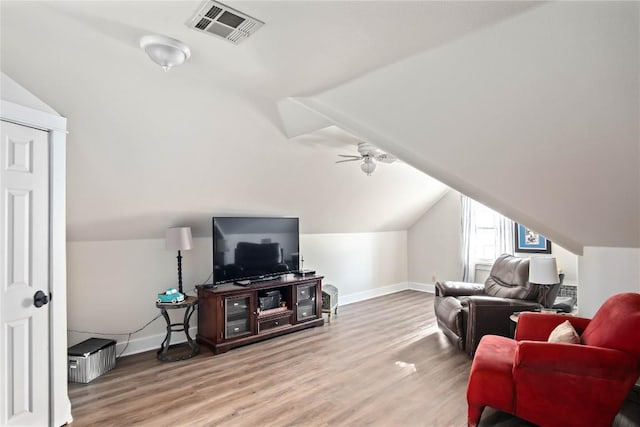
(381, 362)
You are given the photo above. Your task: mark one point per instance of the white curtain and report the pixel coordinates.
(468, 234)
(503, 236)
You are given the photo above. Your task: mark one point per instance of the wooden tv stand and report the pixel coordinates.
(229, 315)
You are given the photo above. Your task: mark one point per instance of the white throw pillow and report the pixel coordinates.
(565, 333)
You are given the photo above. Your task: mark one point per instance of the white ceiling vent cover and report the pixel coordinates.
(218, 20)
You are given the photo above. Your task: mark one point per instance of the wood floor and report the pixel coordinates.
(381, 362)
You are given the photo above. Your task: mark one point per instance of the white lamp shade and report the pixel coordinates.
(179, 239)
(543, 270)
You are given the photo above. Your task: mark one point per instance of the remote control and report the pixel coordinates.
(243, 282)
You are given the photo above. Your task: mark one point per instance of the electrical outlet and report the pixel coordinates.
(433, 279)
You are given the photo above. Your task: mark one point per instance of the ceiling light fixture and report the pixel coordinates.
(368, 154)
(368, 166)
(165, 51)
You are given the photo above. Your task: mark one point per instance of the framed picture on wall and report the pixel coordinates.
(528, 241)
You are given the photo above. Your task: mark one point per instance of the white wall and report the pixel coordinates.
(361, 265)
(567, 262)
(605, 272)
(13, 92)
(434, 243)
(473, 112)
(112, 285)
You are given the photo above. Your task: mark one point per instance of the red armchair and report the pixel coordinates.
(556, 384)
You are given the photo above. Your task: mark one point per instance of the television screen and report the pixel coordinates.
(254, 248)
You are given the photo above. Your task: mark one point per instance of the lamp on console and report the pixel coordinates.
(179, 238)
(543, 272)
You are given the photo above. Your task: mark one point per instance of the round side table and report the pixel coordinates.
(190, 304)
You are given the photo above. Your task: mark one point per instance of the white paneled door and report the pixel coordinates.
(24, 285)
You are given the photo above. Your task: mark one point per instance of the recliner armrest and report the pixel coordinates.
(490, 315)
(457, 289)
(449, 316)
(545, 358)
(514, 304)
(551, 375)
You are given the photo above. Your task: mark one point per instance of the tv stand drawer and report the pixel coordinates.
(274, 322)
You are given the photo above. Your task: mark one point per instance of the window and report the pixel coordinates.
(485, 234)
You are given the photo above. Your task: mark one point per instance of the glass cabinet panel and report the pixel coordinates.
(237, 315)
(306, 298)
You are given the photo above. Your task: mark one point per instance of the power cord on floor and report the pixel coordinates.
(129, 334)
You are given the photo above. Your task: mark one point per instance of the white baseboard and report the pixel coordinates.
(153, 342)
(385, 290)
(422, 287)
(372, 293)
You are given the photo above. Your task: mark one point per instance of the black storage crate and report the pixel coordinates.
(90, 359)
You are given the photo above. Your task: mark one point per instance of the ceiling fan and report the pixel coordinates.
(368, 154)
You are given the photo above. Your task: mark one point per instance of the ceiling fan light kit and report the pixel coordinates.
(368, 155)
(368, 166)
(165, 51)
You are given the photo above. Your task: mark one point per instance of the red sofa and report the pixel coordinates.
(557, 384)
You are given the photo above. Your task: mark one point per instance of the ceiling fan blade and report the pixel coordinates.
(352, 157)
(348, 160)
(386, 158)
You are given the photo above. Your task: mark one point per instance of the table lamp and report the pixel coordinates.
(543, 272)
(179, 238)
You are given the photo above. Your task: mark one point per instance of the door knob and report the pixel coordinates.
(40, 299)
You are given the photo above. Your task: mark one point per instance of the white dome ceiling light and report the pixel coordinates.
(165, 51)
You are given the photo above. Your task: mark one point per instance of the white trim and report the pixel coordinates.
(61, 405)
(153, 342)
(56, 126)
(372, 293)
(385, 290)
(33, 118)
(484, 266)
(422, 287)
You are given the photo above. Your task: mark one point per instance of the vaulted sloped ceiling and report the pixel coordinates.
(148, 149)
(537, 116)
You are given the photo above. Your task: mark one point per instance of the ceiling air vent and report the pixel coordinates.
(218, 20)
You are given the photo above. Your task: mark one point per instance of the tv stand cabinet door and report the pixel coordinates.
(239, 316)
(307, 301)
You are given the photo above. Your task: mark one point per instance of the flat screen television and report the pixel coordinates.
(252, 248)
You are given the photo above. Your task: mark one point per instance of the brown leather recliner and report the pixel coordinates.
(467, 311)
